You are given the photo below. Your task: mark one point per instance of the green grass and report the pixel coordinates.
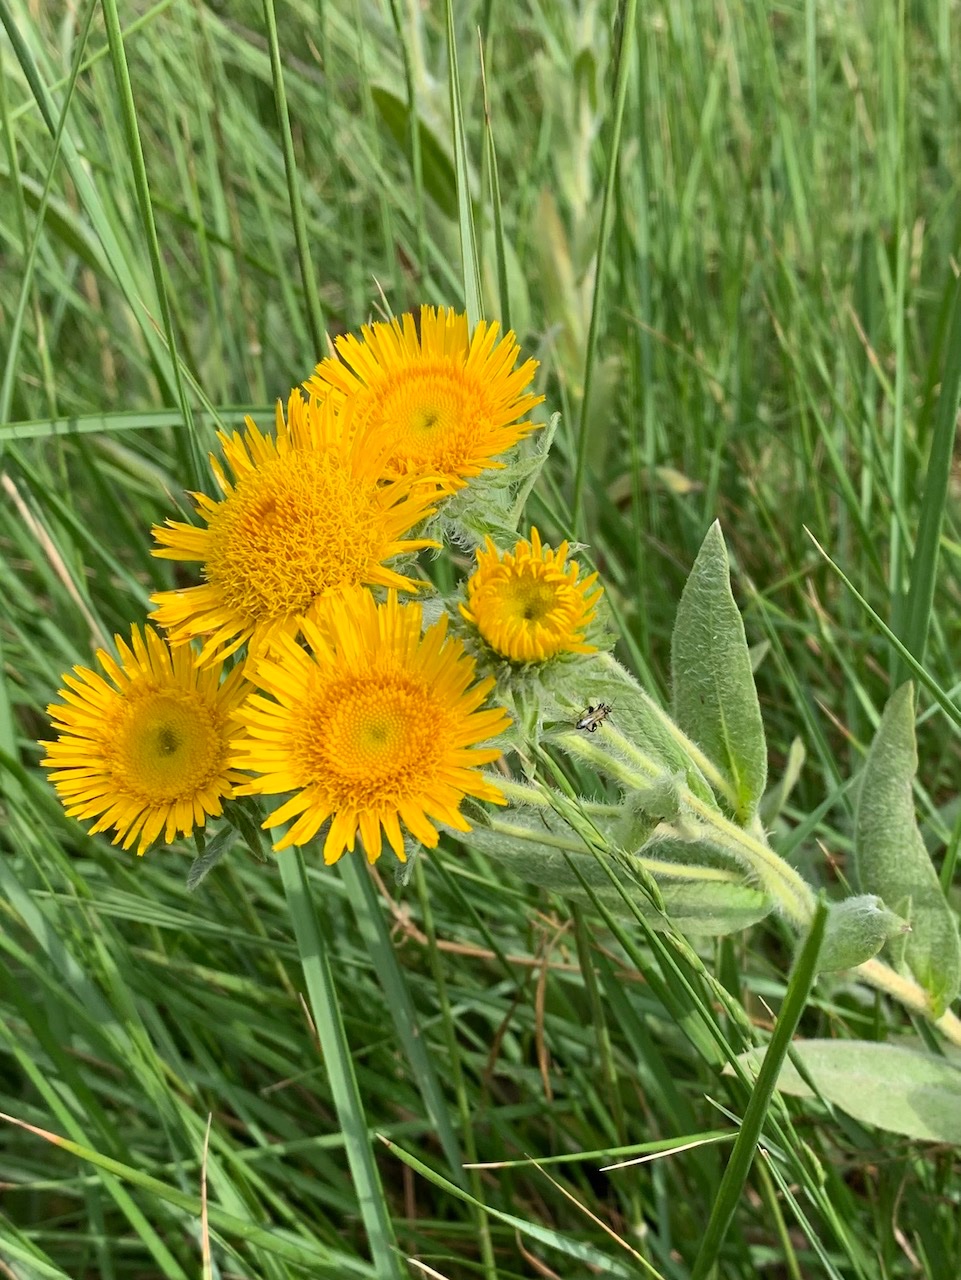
(769, 340)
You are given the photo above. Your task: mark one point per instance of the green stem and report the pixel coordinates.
(488, 1259)
(908, 993)
(776, 877)
(769, 1196)
(325, 1009)
(779, 880)
(640, 777)
(657, 867)
(790, 890)
(707, 767)
(536, 797)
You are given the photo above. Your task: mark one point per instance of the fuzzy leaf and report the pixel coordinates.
(856, 930)
(635, 715)
(715, 701)
(201, 867)
(893, 1087)
(713, 904)
(890, 857)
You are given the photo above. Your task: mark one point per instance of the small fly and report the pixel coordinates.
(594, 716)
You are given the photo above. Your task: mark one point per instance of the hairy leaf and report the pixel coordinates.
(890, 857)
(889, 1085)
(857, 929)
(710, 903)
(715, 701)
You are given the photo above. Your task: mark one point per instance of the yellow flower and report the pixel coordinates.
(528, 604)
(307, 513)
(377, 726)
(147, 749)
(450, 398)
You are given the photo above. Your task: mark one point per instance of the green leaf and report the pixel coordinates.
(914, 618)
(715, 701)
(777, 796)
(201, 867)
(769, 1065)
(857, 929)
(890, 857)
(698, 899)
(245, 815)
(888, 1085)
(635, 715)
(438, 169)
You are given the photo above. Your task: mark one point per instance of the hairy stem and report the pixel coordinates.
(907, 992)
(791, 893)
(708, 768)
(619, 758)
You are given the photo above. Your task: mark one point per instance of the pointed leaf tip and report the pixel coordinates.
(715, 699)
(890, 857)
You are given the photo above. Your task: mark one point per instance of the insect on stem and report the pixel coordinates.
(594, 716)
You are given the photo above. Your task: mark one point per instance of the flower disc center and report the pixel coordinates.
(436, 414)
(530, 599)
(290, 530)
(165, 746)
(373, 735)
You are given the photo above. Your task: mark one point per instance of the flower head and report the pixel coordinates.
(528, 604)
(145, 750)
(378, 725)
(305, 514)
(451, 399)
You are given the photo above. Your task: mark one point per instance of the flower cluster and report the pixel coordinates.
(299, 666)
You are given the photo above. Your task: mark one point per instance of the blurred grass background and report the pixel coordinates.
(771, 319)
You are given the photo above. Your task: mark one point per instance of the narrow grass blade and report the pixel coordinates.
(951, 709)
(585, 1254)
(323, 1262)
(297, 216)
(16, 1248)
(413, 134)
(473, 295)
(145, 1228)
(140, 420)
(745, 1148)
(627, 14)
(115, 251)
(139, 170)
(98, 55)
(497, 209)
(622, 1157)
(924, 563)
(325, 1008)
(370, 921)
(26, 278)
(454, 1052)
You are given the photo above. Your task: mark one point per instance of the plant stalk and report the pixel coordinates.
(789, 891)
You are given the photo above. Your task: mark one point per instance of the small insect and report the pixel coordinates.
(594, 716)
